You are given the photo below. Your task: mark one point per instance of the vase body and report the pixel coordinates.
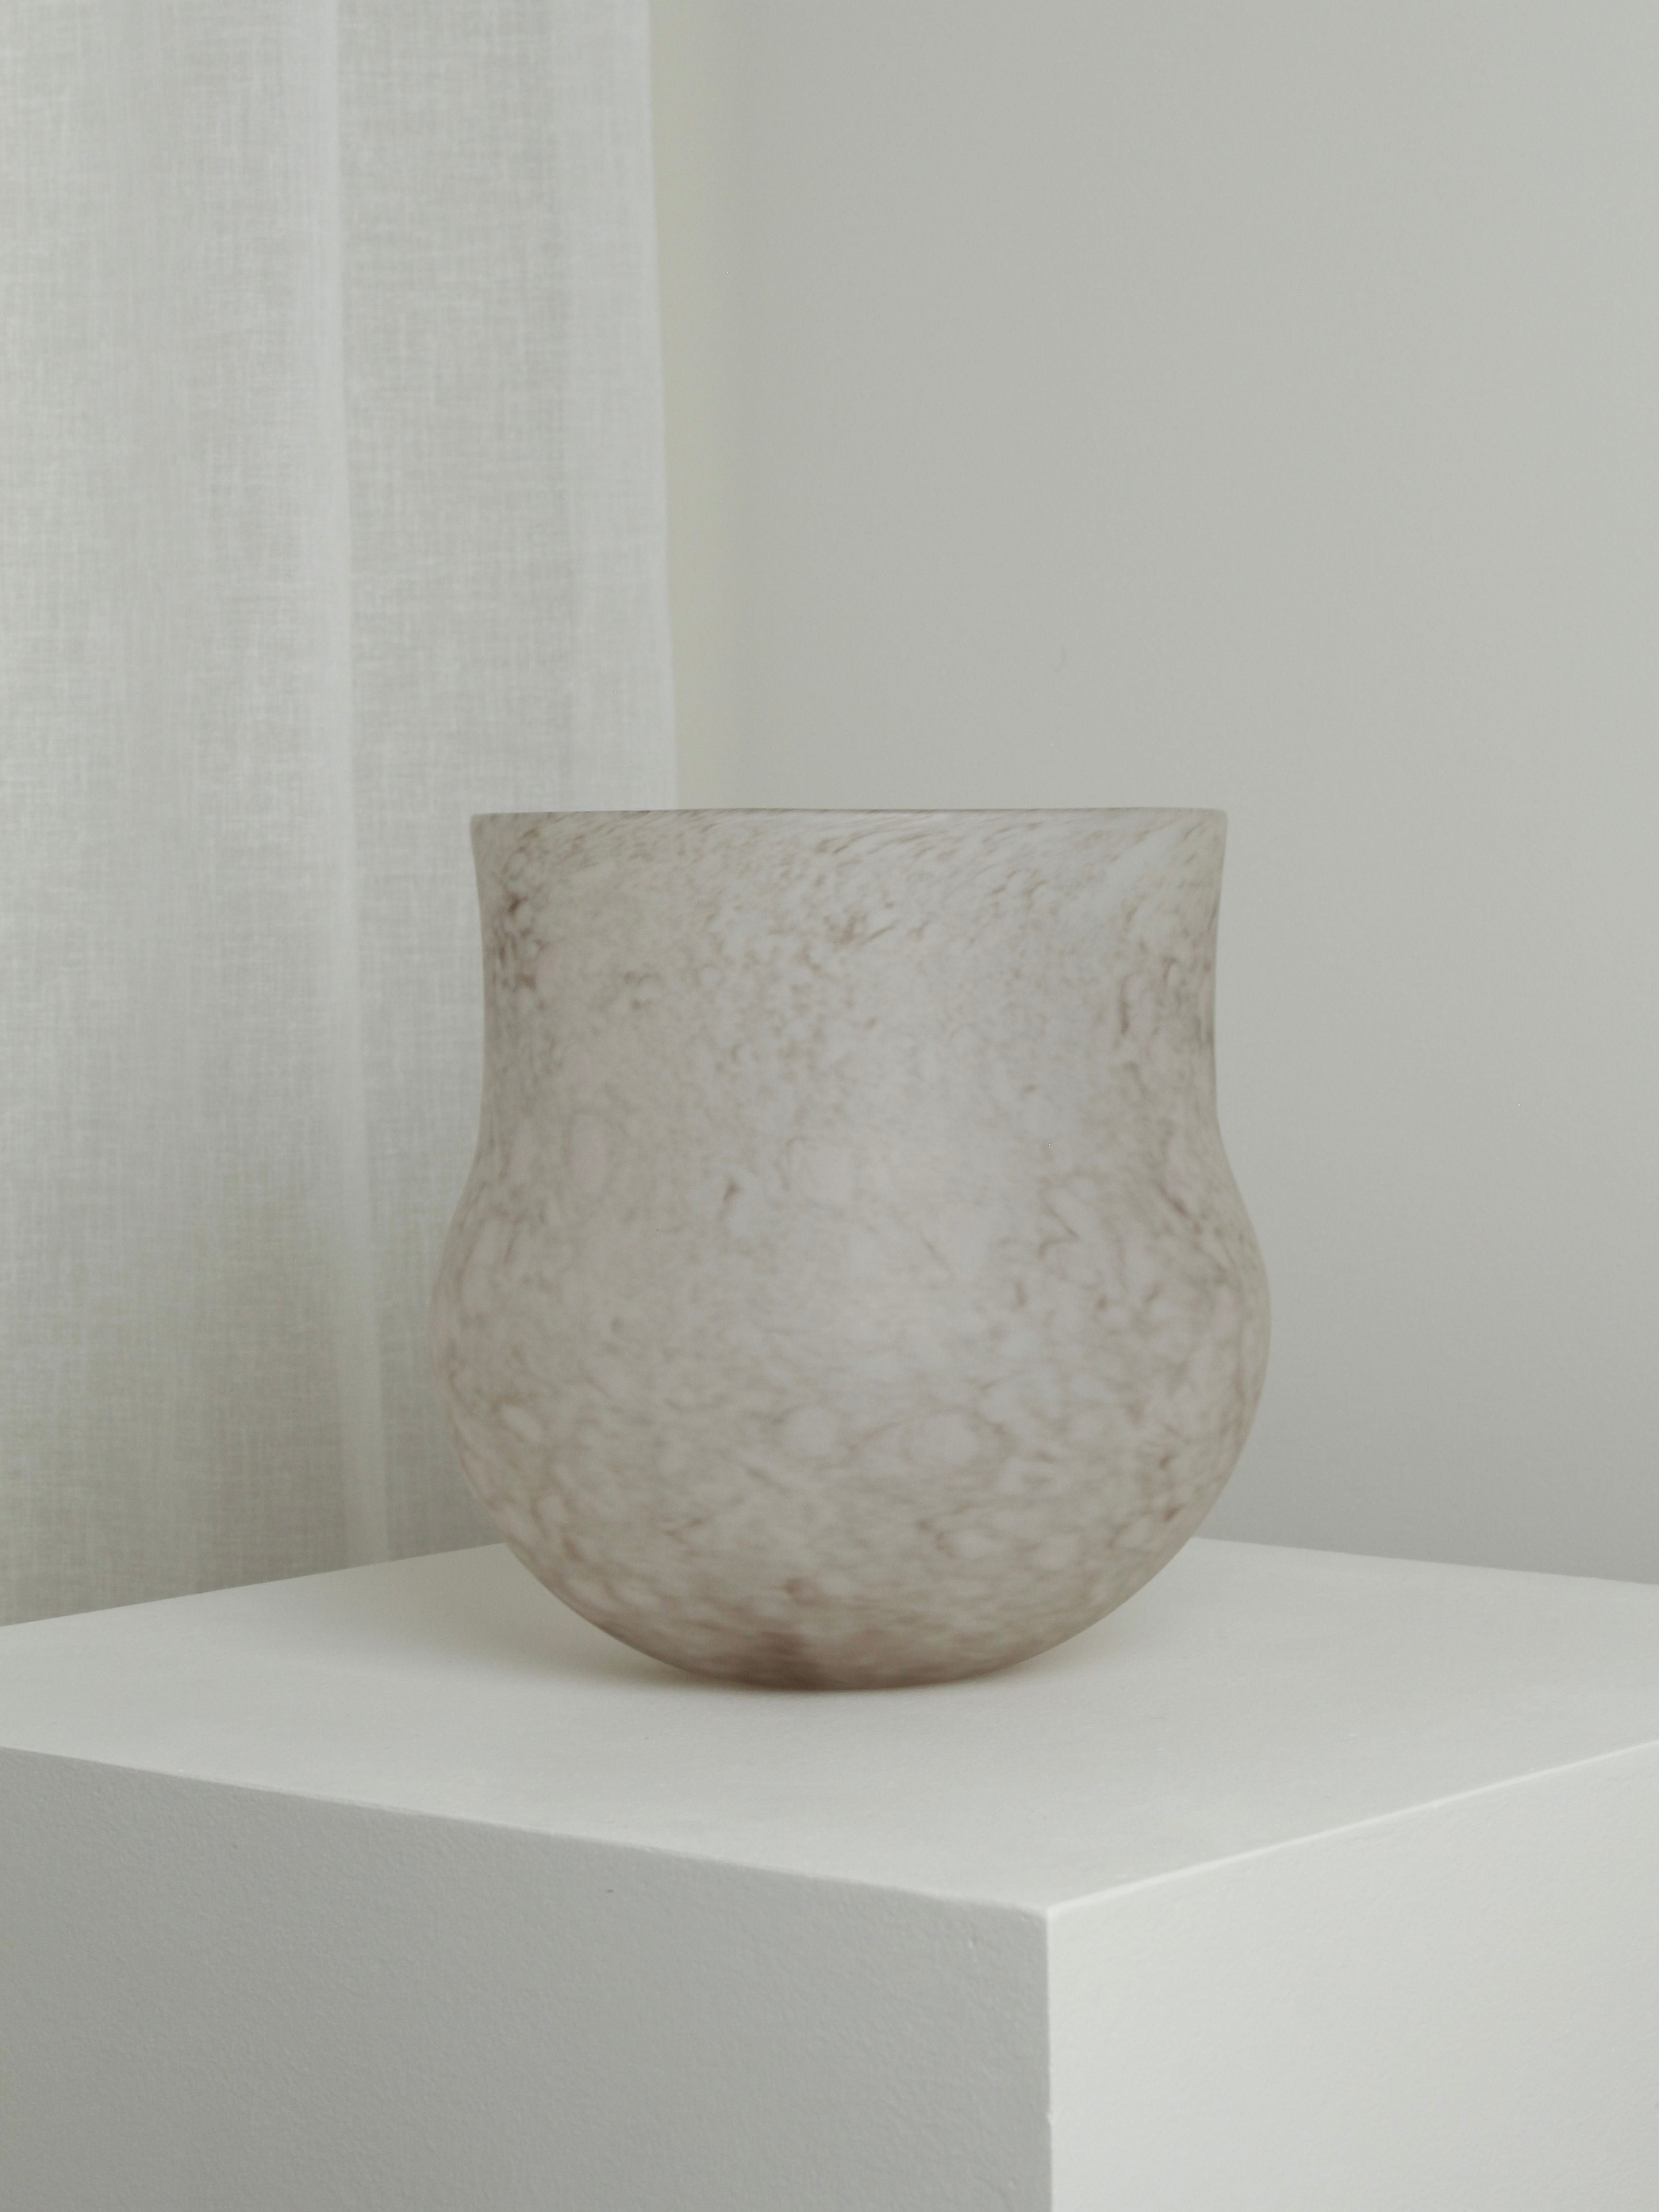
(851, 1288)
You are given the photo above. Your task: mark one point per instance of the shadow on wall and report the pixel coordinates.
(1073, 406)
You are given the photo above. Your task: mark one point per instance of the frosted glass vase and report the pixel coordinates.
(850, 1288)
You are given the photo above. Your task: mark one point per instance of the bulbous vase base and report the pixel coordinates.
(1003, 1616)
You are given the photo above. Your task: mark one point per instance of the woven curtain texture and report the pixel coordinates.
(331, 512)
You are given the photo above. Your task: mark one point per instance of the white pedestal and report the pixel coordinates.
(1305, 1883)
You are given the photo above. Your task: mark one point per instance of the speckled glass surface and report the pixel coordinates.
(851, 1288)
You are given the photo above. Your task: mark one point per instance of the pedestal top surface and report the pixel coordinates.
(1249, 1698)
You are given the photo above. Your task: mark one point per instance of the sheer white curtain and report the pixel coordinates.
(330, 511)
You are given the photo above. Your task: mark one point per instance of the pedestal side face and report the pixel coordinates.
(851, 1287)
(1450, 2007)
(238, 1998)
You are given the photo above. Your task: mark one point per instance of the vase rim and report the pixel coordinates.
(854, 813)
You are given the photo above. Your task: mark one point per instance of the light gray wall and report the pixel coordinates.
(1176, 405)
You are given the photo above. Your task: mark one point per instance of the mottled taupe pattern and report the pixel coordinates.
(851, 1288)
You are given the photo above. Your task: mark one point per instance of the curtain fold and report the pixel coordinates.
(332, 512)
